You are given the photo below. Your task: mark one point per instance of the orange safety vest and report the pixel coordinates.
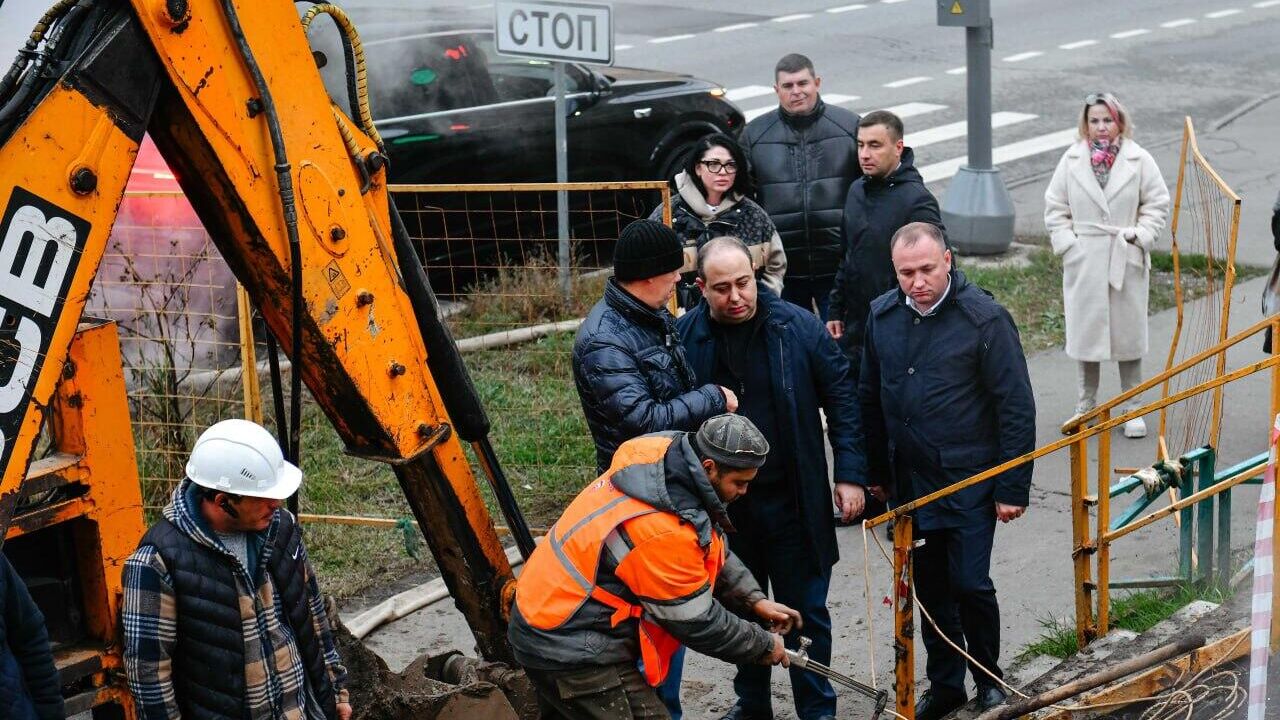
(561, 574)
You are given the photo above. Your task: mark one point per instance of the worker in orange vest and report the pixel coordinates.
(638, 565)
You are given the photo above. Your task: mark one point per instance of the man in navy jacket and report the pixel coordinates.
(945, 394)
(29, 685)
(783, 366)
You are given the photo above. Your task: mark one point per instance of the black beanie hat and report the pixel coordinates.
(647, 249)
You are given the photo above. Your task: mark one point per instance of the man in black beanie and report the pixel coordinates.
(629, 366)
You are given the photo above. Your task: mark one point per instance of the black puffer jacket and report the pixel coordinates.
(873, 212)
(29, 685)
(803, 167)
(632, 377)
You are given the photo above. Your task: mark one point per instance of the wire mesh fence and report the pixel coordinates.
(1206, 220)
(492, 256)
(164, 283)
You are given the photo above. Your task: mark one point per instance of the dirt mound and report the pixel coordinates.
(443, 687)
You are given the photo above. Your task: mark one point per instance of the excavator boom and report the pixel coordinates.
(293, 193)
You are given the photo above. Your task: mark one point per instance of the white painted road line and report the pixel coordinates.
(1223, 13)
(792, 18)
(892, 2)
(1178, 23)
(1130, 33)
(958, 70)
(1023, 56)
(907, 81)
(622, 47)
(954, 130)
(1266, 4)
(753, 114)
(913, 109)
(1077, 44)
(747, 92)
(671, 38)
(738, 26)
(859, 6)
(837, 99)
(1003, 154)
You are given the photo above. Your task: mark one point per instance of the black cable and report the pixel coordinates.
(277, 390)
(60, 41)
(287, 201)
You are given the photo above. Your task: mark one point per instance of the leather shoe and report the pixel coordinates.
(936, 707)
(990, 696)
(737, 712)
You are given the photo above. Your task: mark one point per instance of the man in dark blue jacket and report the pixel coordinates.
(945, 394)
(889, 195)
(29, 685)
(628, 366)
(784, 368)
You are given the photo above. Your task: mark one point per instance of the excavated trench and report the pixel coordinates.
(442, 687)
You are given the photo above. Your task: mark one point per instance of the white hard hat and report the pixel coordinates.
(242, 458)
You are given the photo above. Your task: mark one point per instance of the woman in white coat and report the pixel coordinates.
(1104, 210)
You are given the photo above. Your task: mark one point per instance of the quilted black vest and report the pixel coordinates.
(208, 660)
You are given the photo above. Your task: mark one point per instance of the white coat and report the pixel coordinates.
(1104, 277)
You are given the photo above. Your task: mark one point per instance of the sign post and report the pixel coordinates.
(560, 32)
(977, 209)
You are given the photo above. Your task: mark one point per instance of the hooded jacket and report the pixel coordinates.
(631, 374)
(738, 216)
(803, 167)
(29, 684)
(663, 571)
(873, 211)
(944, 397)
(205, 637)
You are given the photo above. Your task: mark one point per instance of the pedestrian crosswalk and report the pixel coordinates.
(938, 133)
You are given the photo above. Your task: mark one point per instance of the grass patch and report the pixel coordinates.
(1137, 611)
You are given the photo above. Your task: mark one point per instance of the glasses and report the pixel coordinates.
(717, 167)
(1095, 98)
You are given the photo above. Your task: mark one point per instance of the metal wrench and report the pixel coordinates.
(800, 658)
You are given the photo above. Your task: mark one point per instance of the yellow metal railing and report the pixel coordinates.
(1079, 430)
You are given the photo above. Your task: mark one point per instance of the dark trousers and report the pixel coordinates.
(810, 292)
(607, 692)
(952, 571)
(771, 541)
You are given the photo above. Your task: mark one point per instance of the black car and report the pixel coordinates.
(452, 110)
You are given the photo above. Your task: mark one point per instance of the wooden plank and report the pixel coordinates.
(1161, 678)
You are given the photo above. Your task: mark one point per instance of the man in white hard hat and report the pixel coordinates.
(222, 616)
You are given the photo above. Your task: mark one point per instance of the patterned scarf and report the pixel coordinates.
(1102, 155)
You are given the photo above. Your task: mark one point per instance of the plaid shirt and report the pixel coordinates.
(275, 684)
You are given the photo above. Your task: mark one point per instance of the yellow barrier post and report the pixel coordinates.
(1104, 520)
(1081, 544)
(904, 634)
(248, 358)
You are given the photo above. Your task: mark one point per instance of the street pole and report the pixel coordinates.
(562, 177)
(977, 209)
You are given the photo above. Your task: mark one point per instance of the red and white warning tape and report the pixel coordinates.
(1263, 585)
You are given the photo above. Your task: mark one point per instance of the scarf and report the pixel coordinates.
(1102, 155)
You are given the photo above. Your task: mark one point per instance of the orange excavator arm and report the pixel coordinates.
(293, 193)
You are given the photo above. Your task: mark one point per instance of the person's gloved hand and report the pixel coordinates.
(1275, 228)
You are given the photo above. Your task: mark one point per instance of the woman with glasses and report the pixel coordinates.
(1104, 210)
(710, 199)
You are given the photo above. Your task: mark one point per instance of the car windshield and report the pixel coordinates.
(450, 72)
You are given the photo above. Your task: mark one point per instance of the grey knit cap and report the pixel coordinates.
(732, 441)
